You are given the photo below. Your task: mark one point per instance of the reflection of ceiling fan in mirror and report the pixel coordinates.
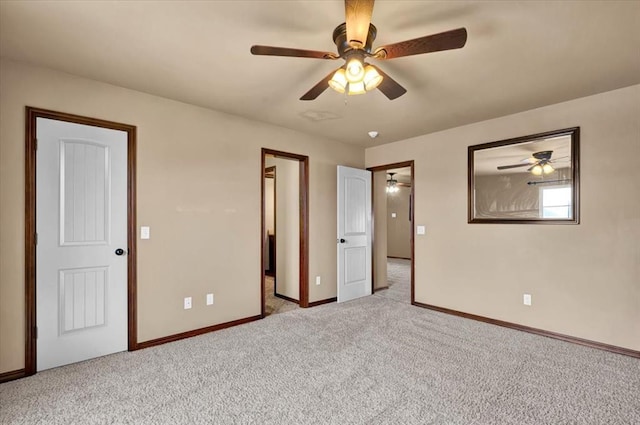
(539, 163)
(354, 42)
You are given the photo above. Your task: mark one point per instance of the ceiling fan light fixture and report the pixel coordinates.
(372, 78)
(356, 88)
(355, 70)
(537, 170)
(392, 184)
(547, 168)
(339, 81)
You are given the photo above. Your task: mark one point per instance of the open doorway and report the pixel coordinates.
(284, 232)
(393, 243)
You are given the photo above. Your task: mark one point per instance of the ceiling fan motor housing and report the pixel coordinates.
(543, 155)
(340, 39)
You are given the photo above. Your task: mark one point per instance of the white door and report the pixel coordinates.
(354, 233)
(81, 220)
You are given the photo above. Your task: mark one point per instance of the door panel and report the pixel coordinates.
(84, 193)
(354, 233)
(81, 219)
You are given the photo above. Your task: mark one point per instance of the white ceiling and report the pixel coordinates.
(519, 55)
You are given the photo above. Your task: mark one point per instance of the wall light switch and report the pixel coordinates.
(420, 230)
(394, 215)
(317, 280)
(187, 303)
(145, 232)
(526, 299)
(209, 299)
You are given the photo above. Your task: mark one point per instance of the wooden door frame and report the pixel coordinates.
(31, 115)
(303, 162)
(412, 208)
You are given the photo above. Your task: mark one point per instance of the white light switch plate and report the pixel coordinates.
(187, 303)
(420, 230)
(145, 232)
(394, 215)
(526, 299)
(209, 299)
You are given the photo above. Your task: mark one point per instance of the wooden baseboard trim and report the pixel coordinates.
(12, 375)
(380, 288)
(284, 297)
(549, 334)
(327, 301)
(398, 258)
(195, 332)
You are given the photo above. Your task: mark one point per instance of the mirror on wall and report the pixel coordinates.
(530, 179)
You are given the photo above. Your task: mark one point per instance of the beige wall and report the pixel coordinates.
(380, 229)
(269, 205)
(269, 217)
(399, 227)
(584, 279)
(287, 216)
(205, 228)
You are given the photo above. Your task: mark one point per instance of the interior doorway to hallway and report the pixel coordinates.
(284, 231)
(393, 242)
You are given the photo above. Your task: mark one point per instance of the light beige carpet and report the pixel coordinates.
(399, 281)
(369, 361)
(273, 304)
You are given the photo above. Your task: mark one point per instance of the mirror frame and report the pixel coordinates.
(574, 132)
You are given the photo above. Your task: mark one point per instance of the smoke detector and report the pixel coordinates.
(373, 134)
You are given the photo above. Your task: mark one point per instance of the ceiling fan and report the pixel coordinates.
(539, 163)
(354, 41)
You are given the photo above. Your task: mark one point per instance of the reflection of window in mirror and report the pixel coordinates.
(555, 201)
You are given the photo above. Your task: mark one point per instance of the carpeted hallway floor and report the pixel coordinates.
(273, 304)
(368, 361)
(399, 281)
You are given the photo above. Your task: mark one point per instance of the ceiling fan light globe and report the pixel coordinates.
(356, 88)
(339, 81)
(355, 71)
(547, 169)
(537, 170)
(372, 78)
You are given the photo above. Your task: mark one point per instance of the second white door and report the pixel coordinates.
(354, 233)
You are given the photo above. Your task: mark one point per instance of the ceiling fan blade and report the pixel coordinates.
(358, 17)
(286, 51)
(318, 88)
(389, 87)
(507, 167)
(448, 40)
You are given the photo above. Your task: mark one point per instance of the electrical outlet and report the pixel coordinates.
(209, 299)
(187, 303)
(526, 299)
(317, 280)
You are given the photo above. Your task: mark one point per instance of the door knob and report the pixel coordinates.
(119, 251)
(341, 240)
